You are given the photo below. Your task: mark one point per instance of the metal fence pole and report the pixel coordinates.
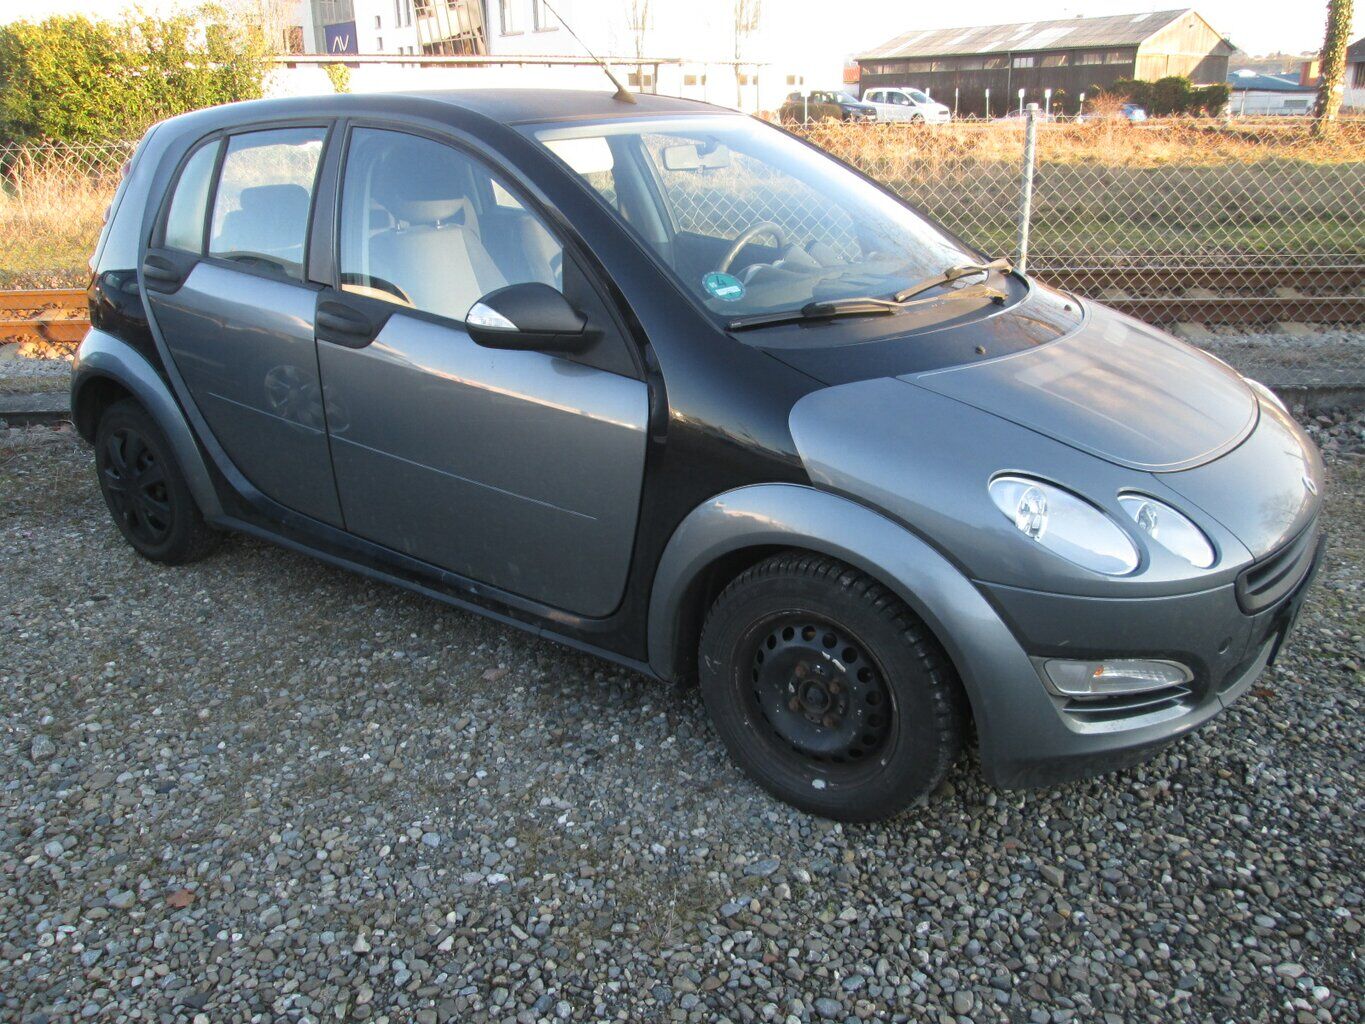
(1026, 185)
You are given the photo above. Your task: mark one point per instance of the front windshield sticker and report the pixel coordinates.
(725, 287)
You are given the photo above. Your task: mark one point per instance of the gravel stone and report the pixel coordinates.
(240, 731)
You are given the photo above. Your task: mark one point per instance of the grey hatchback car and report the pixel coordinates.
(669, 385)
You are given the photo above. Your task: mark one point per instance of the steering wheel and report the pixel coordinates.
(749, 234)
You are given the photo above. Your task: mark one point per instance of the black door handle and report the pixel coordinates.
(162, 274)
(342, 325)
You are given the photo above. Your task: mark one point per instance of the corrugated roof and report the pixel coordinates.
(1115, 30)
(1356, 51)
(1240, 80)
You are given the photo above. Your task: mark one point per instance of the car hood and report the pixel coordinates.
(1115, 388)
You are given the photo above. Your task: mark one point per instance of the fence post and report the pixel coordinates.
(1026, 185)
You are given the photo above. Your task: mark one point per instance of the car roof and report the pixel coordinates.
(503, 106)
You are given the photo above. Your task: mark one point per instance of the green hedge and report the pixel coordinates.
(76, 80)
(1174, 94)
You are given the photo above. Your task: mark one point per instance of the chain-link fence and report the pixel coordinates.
(1183, 219)
(52, 201)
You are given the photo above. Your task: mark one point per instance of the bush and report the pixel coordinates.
(1171, 95)
(76, 80)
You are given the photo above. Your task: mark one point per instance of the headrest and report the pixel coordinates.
(285, 201)
(418, 189)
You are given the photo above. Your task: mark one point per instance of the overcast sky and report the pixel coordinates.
(1256, 26)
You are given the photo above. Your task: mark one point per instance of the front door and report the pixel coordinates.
(225, 279)
(518, 469)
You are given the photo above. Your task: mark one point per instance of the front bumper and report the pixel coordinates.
(1038, 738)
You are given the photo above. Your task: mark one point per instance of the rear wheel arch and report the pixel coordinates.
(92, 399)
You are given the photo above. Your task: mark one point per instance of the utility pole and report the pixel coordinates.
(1333, 61)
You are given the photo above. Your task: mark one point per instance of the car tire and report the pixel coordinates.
(917, 119)
(827, 690)
(146, 492)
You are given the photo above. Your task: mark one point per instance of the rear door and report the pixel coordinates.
(519, 469)
(225, 278)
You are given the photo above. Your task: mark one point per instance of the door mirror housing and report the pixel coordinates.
(527, 316)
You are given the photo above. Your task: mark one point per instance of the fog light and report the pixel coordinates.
(1097, 679)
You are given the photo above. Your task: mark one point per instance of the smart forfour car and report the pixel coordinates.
(666, 384)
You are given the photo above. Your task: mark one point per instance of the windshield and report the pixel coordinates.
(748, 219)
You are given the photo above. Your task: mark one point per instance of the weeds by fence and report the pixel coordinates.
(1171, 211)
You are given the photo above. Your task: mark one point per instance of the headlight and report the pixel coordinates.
(1267, 394)
(1169, 528)
(1065, 524)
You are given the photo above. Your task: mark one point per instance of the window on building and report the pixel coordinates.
(1092, 57)
(1023, 62)
(510, 19)
(1118, 57)
(541, 17)
(378, 21)
(970, 63)
(1358, 76)
(378, 44)
(917, 67)
(640, 81)
(1053, 60)
(260, 209)
(994, 63)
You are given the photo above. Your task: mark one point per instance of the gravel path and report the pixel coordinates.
(260, 789)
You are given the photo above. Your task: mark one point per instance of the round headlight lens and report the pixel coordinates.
(1169, 528)
(1065, 524)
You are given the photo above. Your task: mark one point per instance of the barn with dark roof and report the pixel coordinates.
(1067, 55)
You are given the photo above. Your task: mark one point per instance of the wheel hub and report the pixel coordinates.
(135, 484)
(819, 692)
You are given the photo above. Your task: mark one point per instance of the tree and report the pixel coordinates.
(637, 22)
(1333, 60)
(748, 14)
(77, 80)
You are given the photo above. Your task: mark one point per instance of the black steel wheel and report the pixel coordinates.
(145, 490)
(828, 690)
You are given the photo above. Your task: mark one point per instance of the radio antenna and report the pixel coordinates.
(622, 93)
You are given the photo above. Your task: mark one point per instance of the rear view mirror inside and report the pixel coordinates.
(694, 156)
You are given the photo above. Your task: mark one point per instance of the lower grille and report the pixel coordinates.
(1120, 709)
(1275, 576)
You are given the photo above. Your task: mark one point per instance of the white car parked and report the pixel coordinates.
(906, 105)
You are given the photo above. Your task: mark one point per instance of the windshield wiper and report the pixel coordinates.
(823, 310)
(953, 274)
(862, 306)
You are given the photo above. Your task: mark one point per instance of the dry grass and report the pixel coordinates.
(1188, 142)
(50, 216)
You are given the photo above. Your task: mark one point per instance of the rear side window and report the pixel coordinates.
(265, 189)
(185, 220)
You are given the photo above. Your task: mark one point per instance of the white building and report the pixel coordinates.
(1253, 93)
(682, 49)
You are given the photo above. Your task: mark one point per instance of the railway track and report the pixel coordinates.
(1208, 295)
(55, 316)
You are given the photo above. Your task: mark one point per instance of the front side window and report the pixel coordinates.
(265, 189)
(189, 204)
(918, 97)
(805, 227)
(426, 226)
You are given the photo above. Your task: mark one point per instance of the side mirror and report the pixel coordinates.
(527, 316)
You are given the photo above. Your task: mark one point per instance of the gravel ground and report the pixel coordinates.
(21, 375)
(1291, 354)
(259, 788)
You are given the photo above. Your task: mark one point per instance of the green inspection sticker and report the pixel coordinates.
(725, 287)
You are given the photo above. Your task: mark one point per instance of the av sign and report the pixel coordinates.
(341, 38)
